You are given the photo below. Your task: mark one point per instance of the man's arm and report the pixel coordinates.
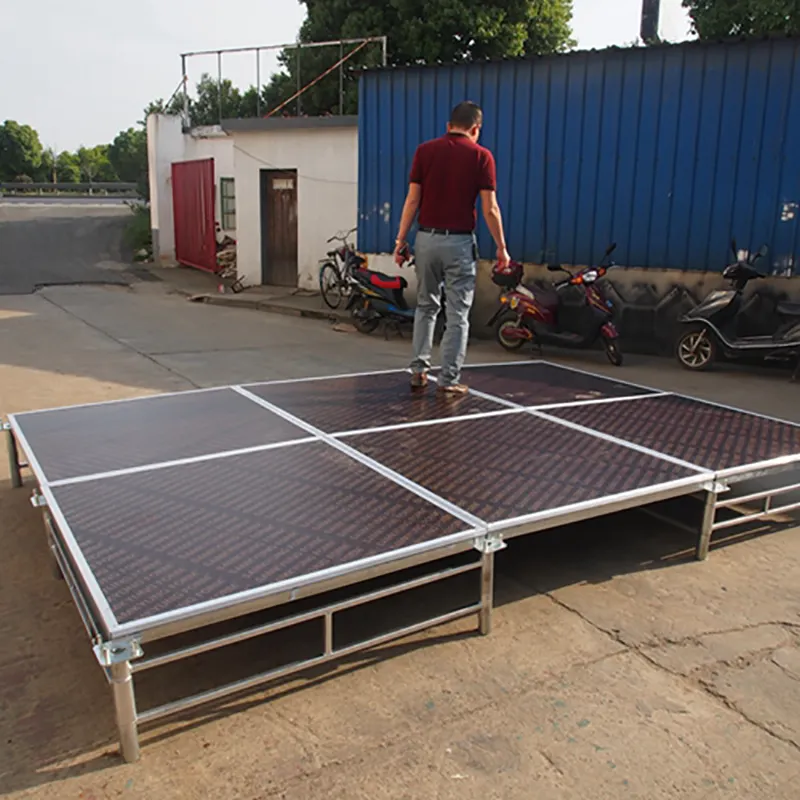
(410, 208)
(494, 220)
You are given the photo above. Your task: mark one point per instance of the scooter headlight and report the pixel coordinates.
(590, 276)
(513, 302)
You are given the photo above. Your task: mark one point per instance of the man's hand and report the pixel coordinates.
(503, 258)
(401, 253)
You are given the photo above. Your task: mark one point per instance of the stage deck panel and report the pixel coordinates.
(710, 436)
(84, 440)
(501, 468)
(539, 383)
(342, 404)
(162, 540)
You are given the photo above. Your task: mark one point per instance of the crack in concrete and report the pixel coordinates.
(640, 651)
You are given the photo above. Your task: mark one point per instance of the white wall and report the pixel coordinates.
(326, 160)
(166, 144)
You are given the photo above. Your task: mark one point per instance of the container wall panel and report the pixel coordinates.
(668, 151)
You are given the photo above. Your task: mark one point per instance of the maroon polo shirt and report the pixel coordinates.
(452, 170)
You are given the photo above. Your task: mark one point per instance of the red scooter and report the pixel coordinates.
(539, 316)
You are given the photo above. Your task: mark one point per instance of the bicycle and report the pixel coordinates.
(335, 281)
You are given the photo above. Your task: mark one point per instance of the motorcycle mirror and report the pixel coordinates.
(554, 268)
(611, 249)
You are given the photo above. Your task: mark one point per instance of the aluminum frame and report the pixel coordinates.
(118, 646)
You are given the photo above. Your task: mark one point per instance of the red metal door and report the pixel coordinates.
(193, 206)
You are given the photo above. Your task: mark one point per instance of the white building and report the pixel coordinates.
(283, 186)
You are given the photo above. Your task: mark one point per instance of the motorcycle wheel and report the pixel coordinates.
(365, 325)
(696, 350)
(613, 352)
(506, 323)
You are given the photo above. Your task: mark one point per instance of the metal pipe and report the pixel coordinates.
(487, 593)
(125, 709)
(299, 85)
(385, 49)
(258, 82)
(13, 460)
(341, 79)
(67, 573)
(286, 46)
(328, 633)
(168, 709)
(737, 501)
(707, 526)
(185, 79)
(219, 83)
(732, 523)
(299, 619)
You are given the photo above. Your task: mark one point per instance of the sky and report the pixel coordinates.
(85, 69)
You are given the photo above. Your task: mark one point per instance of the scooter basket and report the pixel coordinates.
(507, 277)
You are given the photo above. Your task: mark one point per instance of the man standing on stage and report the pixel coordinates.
(447, 175)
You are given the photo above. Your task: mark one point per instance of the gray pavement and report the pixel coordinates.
(46, 244)
(618, 666)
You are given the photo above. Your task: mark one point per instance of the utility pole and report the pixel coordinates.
(651, 14)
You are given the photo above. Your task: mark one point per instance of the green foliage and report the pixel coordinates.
(419, 33)
(20, 151)
(128, 154)
(94, 164)
(68, 169)
(138, 234)
(719, 19)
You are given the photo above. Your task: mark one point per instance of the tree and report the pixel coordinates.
(68, 168)
(94, 164)
(206, 108)
(719, 19)
(20, 151)
(128, 154)
(449, 31)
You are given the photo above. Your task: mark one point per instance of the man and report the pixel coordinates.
(447, 175)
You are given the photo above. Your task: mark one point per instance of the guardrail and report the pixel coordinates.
(114, 187)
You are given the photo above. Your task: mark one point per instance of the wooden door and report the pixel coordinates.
(279, 227)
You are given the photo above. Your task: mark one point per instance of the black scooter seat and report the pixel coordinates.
(789, 309)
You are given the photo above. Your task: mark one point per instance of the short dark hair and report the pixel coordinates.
(466, 115)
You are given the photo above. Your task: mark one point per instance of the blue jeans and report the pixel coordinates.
(449, 260)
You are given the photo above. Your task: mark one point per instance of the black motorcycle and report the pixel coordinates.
(718, 325)
(377, 298)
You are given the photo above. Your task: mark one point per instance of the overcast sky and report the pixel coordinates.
(81, 71)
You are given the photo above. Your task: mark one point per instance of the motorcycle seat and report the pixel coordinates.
(545, 296)
(381, 280)
(789, 309)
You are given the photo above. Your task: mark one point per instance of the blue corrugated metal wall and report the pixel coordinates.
(669, 151)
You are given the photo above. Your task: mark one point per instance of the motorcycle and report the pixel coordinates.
(380, 298)
(716, 325)
(539, 316)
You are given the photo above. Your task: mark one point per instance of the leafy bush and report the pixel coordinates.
(138, 236)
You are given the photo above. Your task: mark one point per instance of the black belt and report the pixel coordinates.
(445, 232)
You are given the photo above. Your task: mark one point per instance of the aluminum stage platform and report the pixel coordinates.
(173, 513)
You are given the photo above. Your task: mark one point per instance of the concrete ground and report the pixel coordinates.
(618, 666)
(49, 241)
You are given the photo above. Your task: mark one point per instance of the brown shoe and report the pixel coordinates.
(419, 380)
(454, 389)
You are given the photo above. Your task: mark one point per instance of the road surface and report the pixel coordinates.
(47, 244)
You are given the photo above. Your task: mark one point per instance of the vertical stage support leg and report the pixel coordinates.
(487, 593)
(125, 708)
(487, 546)
(709, 516)
(117, 658)
(14, 467)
